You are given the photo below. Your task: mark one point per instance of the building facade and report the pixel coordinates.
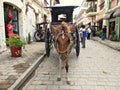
(25, 14)
(104, 12)
(8, 6)
(113, 19)
(81, 17)
(101, 10)
(92, 11)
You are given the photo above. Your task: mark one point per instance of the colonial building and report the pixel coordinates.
(81, 17)
(87, 13)
(11, 9)
(101, 10)
(92, 11)
(25, 14)
(113, 19)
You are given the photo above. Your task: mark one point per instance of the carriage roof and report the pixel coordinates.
(66, 11)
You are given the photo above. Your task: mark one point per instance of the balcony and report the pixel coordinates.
(91, 11)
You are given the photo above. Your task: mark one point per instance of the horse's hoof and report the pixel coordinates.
(58, 79)
(68, 82)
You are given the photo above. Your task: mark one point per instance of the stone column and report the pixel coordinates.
(2, 28)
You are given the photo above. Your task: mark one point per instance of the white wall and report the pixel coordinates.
(30, 23)
(27, 22)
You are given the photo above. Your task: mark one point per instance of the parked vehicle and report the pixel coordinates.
(39, 34)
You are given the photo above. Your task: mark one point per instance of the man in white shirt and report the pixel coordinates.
(88, 32)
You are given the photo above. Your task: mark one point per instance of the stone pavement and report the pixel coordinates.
(96, 68)
(113, 44)
(13, 70)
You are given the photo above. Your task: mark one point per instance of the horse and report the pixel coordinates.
(64, 42)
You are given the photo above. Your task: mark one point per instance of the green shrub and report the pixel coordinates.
(99, 33)
(17, 42)
(113, 36)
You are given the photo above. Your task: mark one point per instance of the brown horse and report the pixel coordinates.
(63, 44)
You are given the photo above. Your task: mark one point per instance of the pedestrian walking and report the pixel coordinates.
(80, 33)
(84, 35)
(93, 31)
(104, 33)
(88, 33)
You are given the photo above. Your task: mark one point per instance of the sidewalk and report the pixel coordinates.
(112, 44)
(14, 70)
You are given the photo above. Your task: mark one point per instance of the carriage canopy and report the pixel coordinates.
(62, 12)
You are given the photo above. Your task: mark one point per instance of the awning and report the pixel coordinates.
(117, 13)
(108, 16)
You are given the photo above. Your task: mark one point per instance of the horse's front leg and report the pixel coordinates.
(59, 77)
(67, 68)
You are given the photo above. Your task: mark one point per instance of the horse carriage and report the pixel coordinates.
(63, 34)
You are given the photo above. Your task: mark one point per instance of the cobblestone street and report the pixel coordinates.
(96, 68)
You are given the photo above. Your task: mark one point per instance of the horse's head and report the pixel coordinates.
(65, 27)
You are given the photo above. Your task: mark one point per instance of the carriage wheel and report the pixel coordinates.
(77, 43)
(37, 36)
(47, 42)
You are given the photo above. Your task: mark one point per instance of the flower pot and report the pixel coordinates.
(16, 51)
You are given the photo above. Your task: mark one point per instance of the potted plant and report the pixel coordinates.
(15, 45)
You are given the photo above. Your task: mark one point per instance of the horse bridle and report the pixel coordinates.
(68, 34)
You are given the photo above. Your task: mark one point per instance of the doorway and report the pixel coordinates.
(9, 9)
(111, 28)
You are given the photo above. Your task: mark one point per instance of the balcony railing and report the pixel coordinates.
(91, 9)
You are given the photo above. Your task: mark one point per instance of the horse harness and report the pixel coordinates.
(70, 45)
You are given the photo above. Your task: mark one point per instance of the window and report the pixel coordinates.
(61, 16)
(14, 17)
(101, 4)
(109, 4)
